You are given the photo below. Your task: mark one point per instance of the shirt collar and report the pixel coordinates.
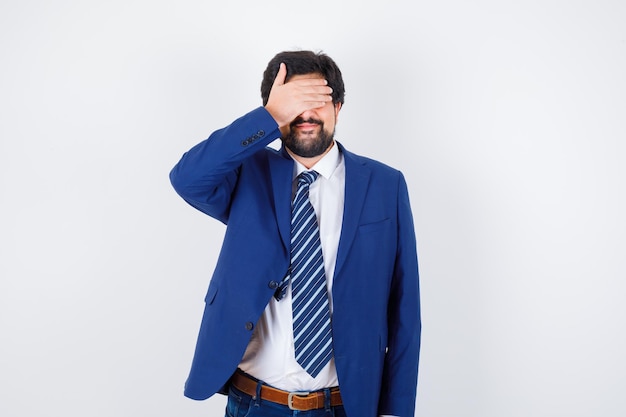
(325, 166)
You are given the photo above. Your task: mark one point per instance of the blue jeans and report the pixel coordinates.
(241, 404)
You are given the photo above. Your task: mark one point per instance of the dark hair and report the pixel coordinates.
(304, 62)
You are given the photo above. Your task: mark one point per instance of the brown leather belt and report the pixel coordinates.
(301, 401)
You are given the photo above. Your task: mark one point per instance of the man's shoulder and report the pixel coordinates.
(374, 164)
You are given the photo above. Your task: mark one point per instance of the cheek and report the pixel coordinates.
(334, 120)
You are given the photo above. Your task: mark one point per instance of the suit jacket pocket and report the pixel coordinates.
(211, 293)
(373, 226)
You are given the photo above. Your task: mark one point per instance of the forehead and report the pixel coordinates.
(305, 76)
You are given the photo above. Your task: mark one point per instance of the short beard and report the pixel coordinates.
(309, 148)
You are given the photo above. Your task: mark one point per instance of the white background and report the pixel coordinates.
(507, 118)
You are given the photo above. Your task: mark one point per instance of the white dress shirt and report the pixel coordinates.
(270, 354)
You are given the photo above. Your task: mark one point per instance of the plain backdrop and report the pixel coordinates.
(508, 119)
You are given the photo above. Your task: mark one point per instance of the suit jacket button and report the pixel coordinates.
(273, 285)
(249, 325)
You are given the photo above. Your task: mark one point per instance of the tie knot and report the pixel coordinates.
(307, 177)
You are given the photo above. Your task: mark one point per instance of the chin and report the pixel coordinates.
(309, 146)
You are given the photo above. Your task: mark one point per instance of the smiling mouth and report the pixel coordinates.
(306, 126)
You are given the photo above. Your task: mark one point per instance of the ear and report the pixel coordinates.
(337, 108)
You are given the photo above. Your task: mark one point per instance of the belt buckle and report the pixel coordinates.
(296, 394)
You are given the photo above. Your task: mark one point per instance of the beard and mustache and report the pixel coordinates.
(308, 145)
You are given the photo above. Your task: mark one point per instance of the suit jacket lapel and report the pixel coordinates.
(282, 172)
(357, 178)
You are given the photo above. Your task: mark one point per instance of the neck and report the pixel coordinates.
(309, 162)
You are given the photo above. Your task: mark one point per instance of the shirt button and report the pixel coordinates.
(273, 285)
(249, 325)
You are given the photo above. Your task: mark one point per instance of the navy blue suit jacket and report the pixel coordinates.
(234, 177)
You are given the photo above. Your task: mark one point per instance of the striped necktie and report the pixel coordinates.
(311, 313)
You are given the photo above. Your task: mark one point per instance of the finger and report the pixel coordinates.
(317, 97)
(281, 75)
(325, 90)
(315, 91)
(309, 82)
(323, 96)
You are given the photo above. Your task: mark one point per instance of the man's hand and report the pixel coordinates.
(289, 100)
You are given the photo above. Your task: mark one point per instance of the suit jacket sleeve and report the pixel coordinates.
(401, 361)
(206, 175)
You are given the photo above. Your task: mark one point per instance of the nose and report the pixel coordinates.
(308, 114)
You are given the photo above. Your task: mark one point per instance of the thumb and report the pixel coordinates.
(282, 74)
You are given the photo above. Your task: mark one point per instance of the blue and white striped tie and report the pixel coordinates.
(311, 312)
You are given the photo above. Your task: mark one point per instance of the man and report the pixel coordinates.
(314, 301)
